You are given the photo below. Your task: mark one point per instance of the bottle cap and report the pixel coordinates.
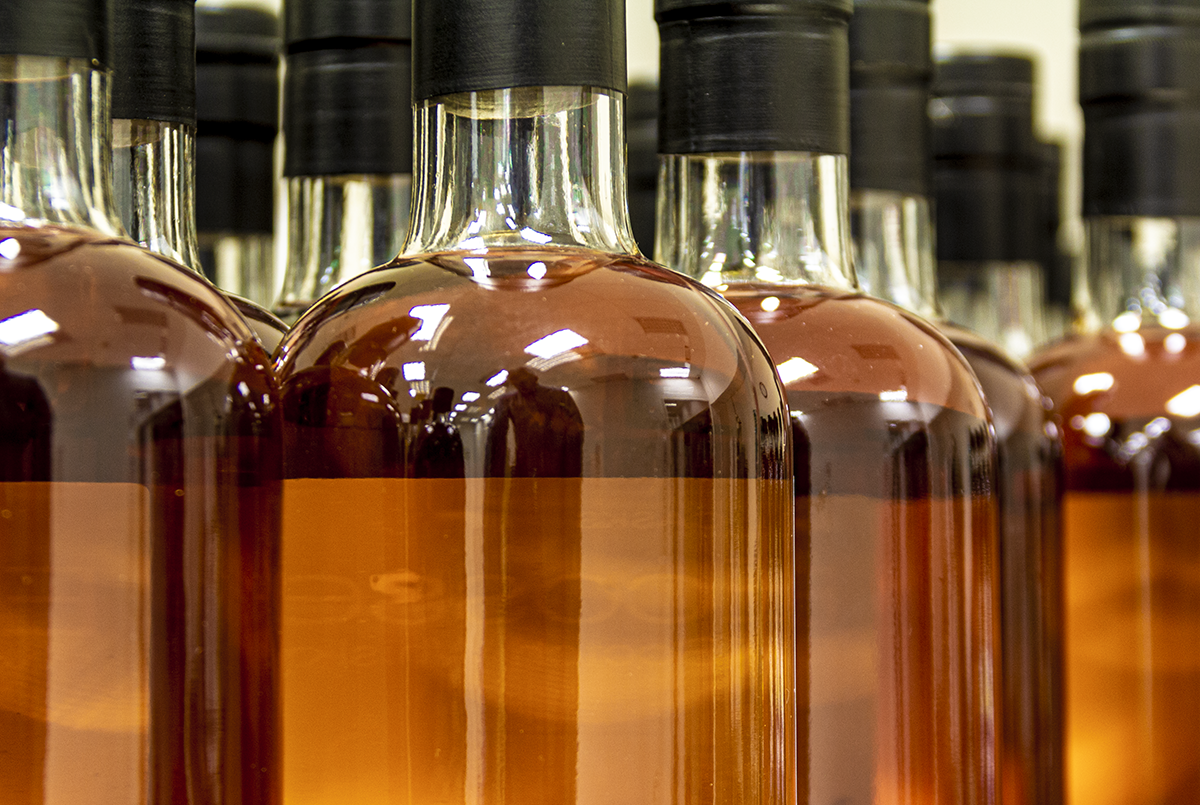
(754, 76)
(890, 73)
(1139, 85)
(309, 24)
(64, 28)
(348, 111)
(154, 60)
(475, 45)
(986, 173)
(237, 119)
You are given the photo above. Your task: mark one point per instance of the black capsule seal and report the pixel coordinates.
(1139, 85)
(754, 76)
(986, 175)
(478, 45)
(63, 28)
(325, 24)
(154, 60)
(348, 111)
(891, 69)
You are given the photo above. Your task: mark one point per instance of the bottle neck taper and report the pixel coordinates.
(55, 135)
(776, 218)
(525, 167)
(893, 249)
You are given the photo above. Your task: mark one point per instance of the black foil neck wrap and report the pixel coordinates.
(477, 45)
(73, 29)
(237, 119)
(321, 24)
(348, 111)
(1139, 85)
(891, 69)
(987, 171)
(754, 76)
(154, 60)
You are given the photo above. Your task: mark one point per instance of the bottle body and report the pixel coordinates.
(574, 585)
(140, 494)
(1127, 405)
(896, 548)
(1029, 497)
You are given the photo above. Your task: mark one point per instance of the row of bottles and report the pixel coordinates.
(522, 514)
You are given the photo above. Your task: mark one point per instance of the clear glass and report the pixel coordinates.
(538, 534)
(139, 496)
(1003, 302)
(893, 249)
(895, 519)
(1127, 395)
(242, 264)
(153, 182)
(894, 234)
(337, 228)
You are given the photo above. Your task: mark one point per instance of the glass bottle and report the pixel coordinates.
(893, 239)
(987, 183)
(237, 114)
(348, 127)
(1057, 259)
(538, 542)
(1127, 389)
(642, 138)
(139, 468)
(154, 139)
(895, 517)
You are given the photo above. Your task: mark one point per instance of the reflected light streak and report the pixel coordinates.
(498, 378)
(150, 364)
(795, 369)
(556, 344)
(1091, 383)
(1186, 403)
(25, 327)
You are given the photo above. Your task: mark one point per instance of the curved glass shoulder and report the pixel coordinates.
(542, 497)
(139, 521)
(896, 539)
(1029, 492)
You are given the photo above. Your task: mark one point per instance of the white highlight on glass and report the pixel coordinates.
(1173, 319)
(498, 378)
(479, 267)
(10, 248)
(1127, 322)
(770, 304)
(431, 316)
(537, 270)
(1096, 425)
(1097, 381)
(556, 344)
(535, 236)
(470, 396)
(154, 363)
(795, 369)
(899, 395)
(25, 327)
(1132, 344)
(1186, 403)
(369, 397)
(675, 371)
(414, 371)
(1175, 343)
(460, 407)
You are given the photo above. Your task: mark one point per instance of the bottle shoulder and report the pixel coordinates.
(840, 341)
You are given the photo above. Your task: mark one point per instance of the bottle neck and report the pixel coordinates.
(773, 218)
(893, 249)
(528, 167)
(337, 228)
(55, 147)
(1140, 271)
(1002, 301)
(153, 178)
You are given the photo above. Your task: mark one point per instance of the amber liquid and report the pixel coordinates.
(538, 540)
(1132, 562)
(139, 522)
(1028, 489)
(896, 549)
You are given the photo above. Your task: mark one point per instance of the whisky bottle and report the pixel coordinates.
(1058, 262)
(893, 453)
(154, 138)
(891, 71)
(1127, 389)
(986, 185)
(237, 122)
(538, 538)
(139, 471)
(347, 131)
(642, 136)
